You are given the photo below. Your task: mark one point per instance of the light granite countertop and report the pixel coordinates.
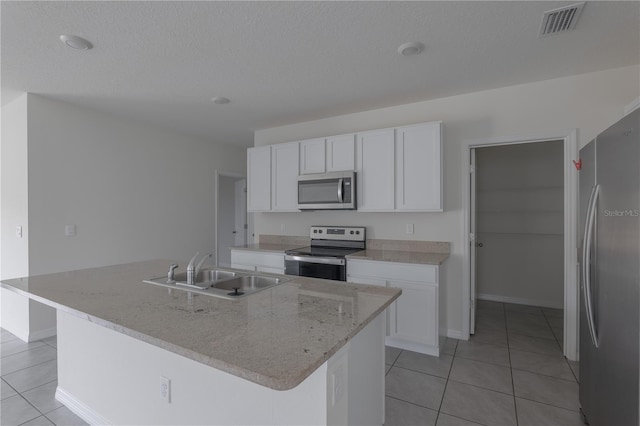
(276, 337)
(279, 248)
(379, 250)
(400, 256)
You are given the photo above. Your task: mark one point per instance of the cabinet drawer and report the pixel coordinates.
(393, 271)
(366, 280)
(269, 260)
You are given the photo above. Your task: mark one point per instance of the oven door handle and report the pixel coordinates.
(312, 259)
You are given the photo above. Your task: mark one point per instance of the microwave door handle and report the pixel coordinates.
(340, 185)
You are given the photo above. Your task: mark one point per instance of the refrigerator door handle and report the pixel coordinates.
(586, 262)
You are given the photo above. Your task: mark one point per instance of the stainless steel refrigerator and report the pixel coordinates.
(610, 275)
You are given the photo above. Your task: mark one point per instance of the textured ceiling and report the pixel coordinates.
(285, 62)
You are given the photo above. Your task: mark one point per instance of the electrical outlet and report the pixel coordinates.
(282, 227)
(409, 228)
(165, 389)
(19, 231)
(69, 230)
(338, 385)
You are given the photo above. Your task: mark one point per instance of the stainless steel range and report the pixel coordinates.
(325, 257)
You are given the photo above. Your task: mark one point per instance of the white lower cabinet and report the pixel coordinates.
(257, 261)
(413, 319)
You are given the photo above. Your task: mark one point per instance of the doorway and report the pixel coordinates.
(522, 213)
(519, 235)
(231, 215)
(519, 224)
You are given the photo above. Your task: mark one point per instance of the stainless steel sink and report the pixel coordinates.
(248, 283)
(205, 277)
(219, 283)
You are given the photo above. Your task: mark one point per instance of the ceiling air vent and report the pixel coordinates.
(560, 20)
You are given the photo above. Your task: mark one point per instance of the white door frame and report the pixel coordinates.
(571, 290)
(219, 173)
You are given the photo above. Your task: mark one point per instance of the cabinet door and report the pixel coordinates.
(366, 280)
(259, 179)
(284, 177)
(376, 170)
(341, 153)
(419, 167)
(312, 156)
(413, 316)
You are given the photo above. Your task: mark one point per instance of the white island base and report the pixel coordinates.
(107, 377)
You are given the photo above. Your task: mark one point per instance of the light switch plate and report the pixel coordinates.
(337, 385)
(70, 231)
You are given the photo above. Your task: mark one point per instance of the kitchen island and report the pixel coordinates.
(307, 351)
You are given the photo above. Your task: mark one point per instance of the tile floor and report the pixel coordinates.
(511, 372)
(29, 378)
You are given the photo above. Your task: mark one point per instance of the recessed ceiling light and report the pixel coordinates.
(220, 100)
(411, 48)
(76, 42)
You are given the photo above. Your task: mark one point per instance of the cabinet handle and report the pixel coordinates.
(479, 244)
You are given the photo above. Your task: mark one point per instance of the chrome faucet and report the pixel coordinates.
(192, 271)
(171, 273)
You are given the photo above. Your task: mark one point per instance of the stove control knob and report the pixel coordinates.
(351, 232)
(357, 232)
(315, 231)
(320, 231)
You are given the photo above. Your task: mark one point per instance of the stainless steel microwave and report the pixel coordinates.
(327, 191)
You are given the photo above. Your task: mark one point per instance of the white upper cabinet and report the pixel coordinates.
(398, 169)
(284, 177)
(333, 154)
(375, 165)
(259, 179)
(419, 167)
(341, 153)
(312, 156)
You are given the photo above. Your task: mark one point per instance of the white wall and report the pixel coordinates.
(14, 251)
(14, 189)
(520, 220)
(588, 102)
(134, 192)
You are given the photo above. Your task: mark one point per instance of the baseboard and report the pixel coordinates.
(42, 334)
(518, 300)
(455, 334)
(410, 346)
(80, 409)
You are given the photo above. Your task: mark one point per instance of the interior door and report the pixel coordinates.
(472, 239)
(240, 228)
